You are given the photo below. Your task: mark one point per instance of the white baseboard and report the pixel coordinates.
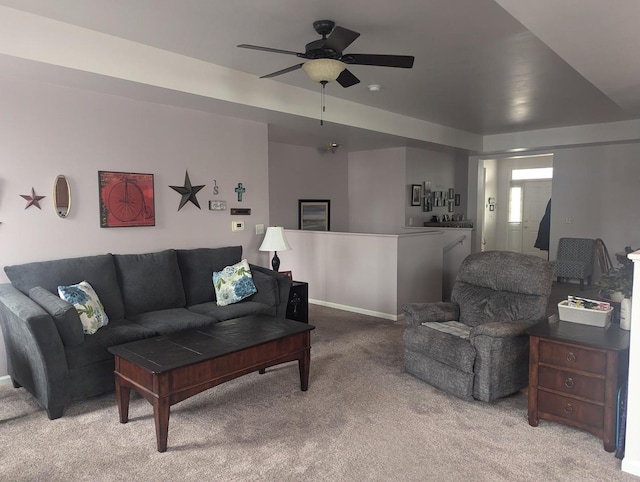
(5, 379)
(630, 466)
(353, 309)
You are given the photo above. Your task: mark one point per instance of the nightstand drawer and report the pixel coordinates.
(571, 409)
(572, 383)
(575, 372)
(592, 361)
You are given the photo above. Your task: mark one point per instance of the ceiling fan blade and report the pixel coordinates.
(347, 79)
(401, 61)
(269, 49)
(340, 38)
(283, 71)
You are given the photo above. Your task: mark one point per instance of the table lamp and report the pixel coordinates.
(274, 240)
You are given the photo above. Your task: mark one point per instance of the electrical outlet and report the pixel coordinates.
(568, 220)
(237, 225)
(259, 228)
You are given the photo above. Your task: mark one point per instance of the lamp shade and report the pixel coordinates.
(323, 70)
(274, 240)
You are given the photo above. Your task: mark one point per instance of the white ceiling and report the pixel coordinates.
(481, 66)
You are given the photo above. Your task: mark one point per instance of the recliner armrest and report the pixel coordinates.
(418, 313)
(500, 329)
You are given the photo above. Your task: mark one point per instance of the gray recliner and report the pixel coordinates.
(474, 347)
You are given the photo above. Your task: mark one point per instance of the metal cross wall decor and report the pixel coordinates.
(240, 190)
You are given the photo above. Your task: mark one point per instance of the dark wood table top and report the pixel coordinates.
(167, 352)
(612, 338)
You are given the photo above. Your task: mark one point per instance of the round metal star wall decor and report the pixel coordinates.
(188, 192)
(32, 200)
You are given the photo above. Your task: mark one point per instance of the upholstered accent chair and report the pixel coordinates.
(475, 346)
(575, 259)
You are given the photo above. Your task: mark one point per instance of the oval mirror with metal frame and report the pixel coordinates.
(62, 196)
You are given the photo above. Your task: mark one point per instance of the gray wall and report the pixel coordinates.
(598, 187)
(46, 130)
(377, 191)
(437, 167)
(297, 172)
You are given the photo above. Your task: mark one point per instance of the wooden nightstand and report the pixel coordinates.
(574, 374)
(298, 306)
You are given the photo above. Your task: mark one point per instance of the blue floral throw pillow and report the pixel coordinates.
(86, 302)
(233, 283)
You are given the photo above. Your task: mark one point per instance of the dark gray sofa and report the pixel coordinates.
(144, 295)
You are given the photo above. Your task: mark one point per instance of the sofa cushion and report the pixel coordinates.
(94, 349)
(222, 313)
(149, 281)
(197, 266)
(87, 304)
(99, 271)
(267, 288)
(169, 321)
(64, 315)
(234, 283)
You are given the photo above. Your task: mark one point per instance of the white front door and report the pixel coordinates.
(527, 204)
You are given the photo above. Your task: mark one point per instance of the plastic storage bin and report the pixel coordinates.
(584, 316)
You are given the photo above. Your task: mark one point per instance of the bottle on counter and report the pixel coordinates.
(625, 314)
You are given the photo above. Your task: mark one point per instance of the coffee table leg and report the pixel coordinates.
(161, 416)
(303, 367)
(122, 398)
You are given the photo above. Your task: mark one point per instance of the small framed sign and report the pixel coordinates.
(217, 205)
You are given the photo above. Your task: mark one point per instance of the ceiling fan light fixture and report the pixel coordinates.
(323, 70)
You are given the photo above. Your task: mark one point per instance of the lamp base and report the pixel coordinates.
(275, 262)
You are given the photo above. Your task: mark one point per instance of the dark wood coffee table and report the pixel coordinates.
(168, 369)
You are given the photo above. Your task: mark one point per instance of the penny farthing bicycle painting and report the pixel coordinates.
(126, 199)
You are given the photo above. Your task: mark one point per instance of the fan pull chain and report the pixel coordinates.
(322, 103)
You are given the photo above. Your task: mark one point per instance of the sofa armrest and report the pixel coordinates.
(64, 315)
(35, 353)
(284, 285)
(418, 313)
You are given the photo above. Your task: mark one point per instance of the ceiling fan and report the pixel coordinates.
(326, 61)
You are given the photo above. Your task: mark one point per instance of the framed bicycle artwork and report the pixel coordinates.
(126, 199)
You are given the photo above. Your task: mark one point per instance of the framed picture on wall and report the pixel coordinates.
(416, 193)
(314, 214)
(427, 200)
(126, 199)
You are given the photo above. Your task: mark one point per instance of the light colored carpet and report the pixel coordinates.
(363, 418)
